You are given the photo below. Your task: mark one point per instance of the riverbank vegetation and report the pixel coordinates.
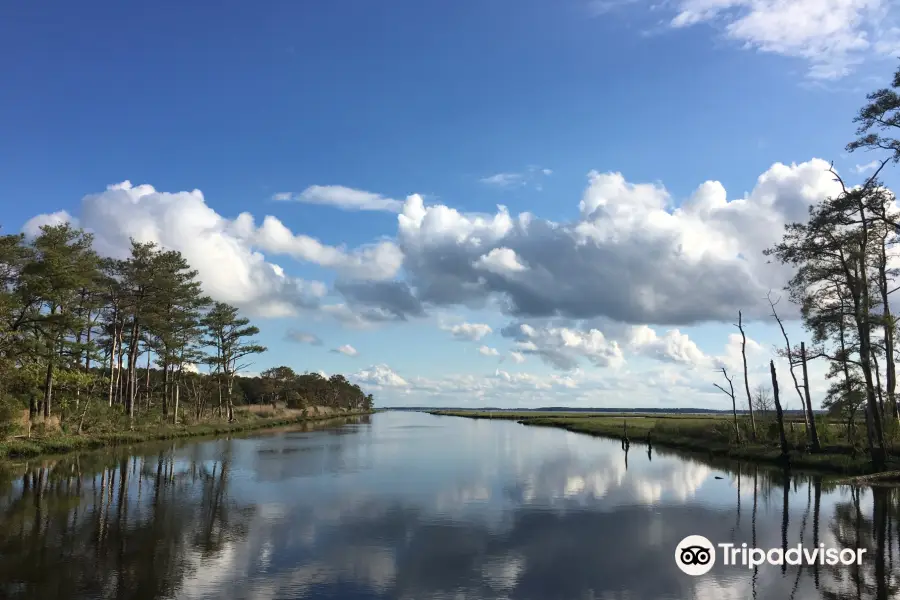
(96, 351)
(65, 520)
(711, 435)
(844, 261)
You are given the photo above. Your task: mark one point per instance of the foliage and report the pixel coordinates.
(104, 346)
(283, 385)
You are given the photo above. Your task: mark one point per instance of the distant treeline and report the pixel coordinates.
(570, 409)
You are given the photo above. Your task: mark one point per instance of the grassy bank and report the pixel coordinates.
(246, 420)
(711, 435)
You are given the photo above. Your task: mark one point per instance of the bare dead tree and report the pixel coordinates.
(730, 392)
(803, 393)
(811, 418)
(788, 353)
(778, 412)
(740, 326)
(762, 399)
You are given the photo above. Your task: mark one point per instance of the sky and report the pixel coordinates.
(515, 203)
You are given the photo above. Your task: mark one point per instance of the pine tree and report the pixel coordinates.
(63, 265)
(226, 332)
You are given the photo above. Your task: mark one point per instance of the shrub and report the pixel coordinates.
(10, 417)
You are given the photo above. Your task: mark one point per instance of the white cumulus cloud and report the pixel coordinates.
(377, 261)
(563, 347)
(634, 254)
(381, 376)
(32, 227)
(472, 332)
(229, 266)
(672, 346)
(346, 350)
(342, 197)
(831, 35)
(500, 261)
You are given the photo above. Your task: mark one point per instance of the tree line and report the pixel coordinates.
(80, 332)
(845, 271)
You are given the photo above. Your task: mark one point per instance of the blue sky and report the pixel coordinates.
(469, 105)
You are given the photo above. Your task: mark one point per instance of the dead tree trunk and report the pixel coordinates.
(132, 388)
(175, 404)
(778, 412)
(811, 418)
(746, 379)
(48, 387)
(147, 384)
(730, 392)
(890, 369)
(790, 358)
(112, 368)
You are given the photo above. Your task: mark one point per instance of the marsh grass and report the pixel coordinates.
(708, 434)
(100, 437)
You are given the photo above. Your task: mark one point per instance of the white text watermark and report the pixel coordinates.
(696, 555)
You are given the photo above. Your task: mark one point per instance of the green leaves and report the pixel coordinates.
(226, 332)
(61, 267)
(70, 319)
(881, 114)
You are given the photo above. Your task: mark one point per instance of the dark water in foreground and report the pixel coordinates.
(412, 506)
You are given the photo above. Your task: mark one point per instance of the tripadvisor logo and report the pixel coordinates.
(696, 555)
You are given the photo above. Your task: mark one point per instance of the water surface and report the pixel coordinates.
(414, 506)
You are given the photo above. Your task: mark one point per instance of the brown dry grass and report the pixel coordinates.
(266, 410)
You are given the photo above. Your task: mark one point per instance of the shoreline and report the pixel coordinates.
(836, 463)
(56, 445)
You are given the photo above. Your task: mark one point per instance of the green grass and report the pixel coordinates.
(61, 443)
(708, 434)
(533, 414)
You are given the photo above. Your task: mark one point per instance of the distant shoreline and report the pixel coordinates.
(57, 444)
(700, 433)
(605, 411)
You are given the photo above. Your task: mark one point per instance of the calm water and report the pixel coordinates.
(412, 506)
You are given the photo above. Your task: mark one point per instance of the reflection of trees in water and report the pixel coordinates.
(335, 449)
(866, 519)
(113, 527)
(118, 526)
(853, 528)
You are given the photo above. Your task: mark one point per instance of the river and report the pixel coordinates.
(415, 506)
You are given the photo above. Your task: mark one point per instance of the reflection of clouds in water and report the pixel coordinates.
(450, 501)
(497, 463)
(501, 573)
(714, 589)
(262, 567)
(209, 572)
(574, 523)
(272, 511)
(604, 481)
(372, 568)
(680, 481)
(265, 555)
(393, 552)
